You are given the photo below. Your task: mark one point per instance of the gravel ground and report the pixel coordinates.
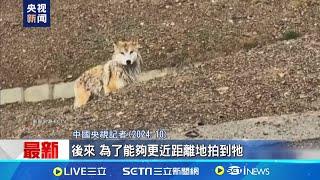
(298, 128)
(277, 79)
(171, 33)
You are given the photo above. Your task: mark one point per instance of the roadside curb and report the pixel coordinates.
(62, 90)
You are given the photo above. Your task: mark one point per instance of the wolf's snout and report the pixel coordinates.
(128, 62)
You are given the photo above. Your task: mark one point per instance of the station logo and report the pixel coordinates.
(79, 171)
(234, 170)
(36, 13)
(247, 171)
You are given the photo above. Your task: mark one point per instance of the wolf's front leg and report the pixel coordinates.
(82, 95)
(106, 89)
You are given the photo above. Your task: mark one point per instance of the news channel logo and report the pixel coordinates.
(242, 170)
(36, 13)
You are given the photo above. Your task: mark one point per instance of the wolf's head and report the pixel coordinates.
(126, 52)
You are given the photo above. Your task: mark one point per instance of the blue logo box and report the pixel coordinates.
(36, 13)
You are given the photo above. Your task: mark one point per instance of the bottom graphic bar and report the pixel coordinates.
(161, 169)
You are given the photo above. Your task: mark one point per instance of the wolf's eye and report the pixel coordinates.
(122, 53)
(131, 52)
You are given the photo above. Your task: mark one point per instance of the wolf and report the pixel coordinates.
(116, 73)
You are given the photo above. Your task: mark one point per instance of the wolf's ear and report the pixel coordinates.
(139, 46)
(136, 43)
